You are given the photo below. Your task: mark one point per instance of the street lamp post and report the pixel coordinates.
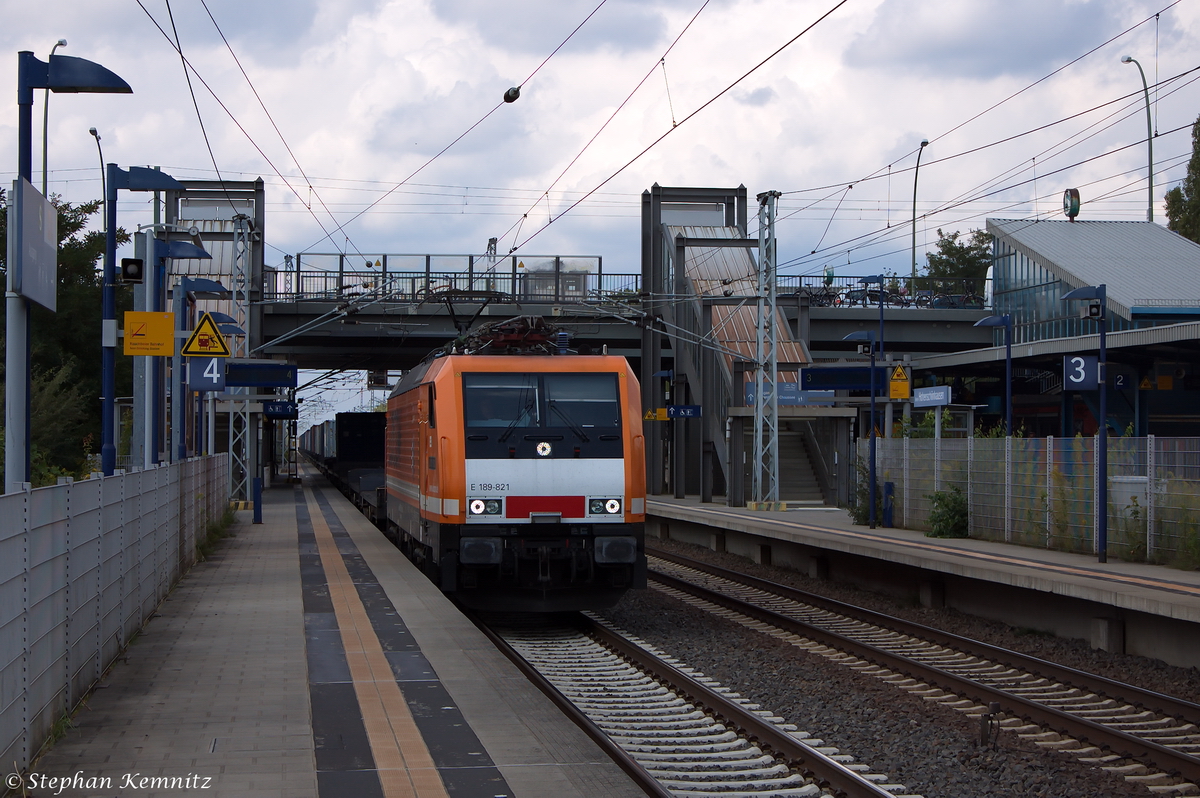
(60, 74)
(869, 337)
(1100, 292)
(46, 116)
(1004, 321)
(916, 171)
(1126, 59)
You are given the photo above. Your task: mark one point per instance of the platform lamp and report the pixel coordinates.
(138, 178)
(1100, 293)
(1004, 321)
(869, 337)
(59, 74)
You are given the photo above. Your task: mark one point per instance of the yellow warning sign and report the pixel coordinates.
(149, 333)
(655, 414)
(899, 386)
(1145, 385)
(206, 340)
(1164, 382)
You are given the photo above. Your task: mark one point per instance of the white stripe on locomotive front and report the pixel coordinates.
(591, 478)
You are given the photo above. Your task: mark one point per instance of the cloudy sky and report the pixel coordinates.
(364, 93)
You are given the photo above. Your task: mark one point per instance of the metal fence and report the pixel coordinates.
(82, 566)
(1044, 491)
(416, 278)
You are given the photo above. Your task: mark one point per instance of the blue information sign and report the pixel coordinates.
(791, 395)
(206, 373)
(281, 410)
(844, 378)
(683, 411)
(1081, 372)
(931, 397)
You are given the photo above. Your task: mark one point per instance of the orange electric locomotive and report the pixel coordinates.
(515, 471)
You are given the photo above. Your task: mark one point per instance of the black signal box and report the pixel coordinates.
(132, 270)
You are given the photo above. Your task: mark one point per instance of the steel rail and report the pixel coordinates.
(1100, 685)
(1121, 743)
(640, 776)
(828, 773)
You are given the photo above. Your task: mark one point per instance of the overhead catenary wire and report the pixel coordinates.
(216, 97)
(841, 246)
(477, 123)
(693, 114)
(195, 104)
(520, 222)
(278, 132)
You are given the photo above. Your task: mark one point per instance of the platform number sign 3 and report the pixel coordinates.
(206, 373)
(1081, 372)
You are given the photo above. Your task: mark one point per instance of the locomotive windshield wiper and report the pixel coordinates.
(571, 425)
(512, 426)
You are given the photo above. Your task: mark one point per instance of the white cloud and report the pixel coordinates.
(366, 92)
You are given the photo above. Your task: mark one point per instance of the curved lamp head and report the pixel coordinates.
(924, 142)
(1125, 59)
(1004, 320)
(1086, 292)
(860, 335)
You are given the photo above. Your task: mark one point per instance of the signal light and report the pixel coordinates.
(132, 270)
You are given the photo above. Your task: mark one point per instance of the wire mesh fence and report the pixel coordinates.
(82, 566)
(1045, 492)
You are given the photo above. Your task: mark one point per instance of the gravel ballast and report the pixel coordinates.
(931, 749)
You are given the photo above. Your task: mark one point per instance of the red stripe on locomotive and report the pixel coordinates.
(524, 506)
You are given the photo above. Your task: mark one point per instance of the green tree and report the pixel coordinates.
(65, 348)
(1183, 201)
(959, 257)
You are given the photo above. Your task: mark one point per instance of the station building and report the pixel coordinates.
(1152, 280)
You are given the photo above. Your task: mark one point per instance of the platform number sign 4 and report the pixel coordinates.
(206, 373)
(1081, 372)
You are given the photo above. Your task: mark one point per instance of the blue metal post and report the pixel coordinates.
(1102, 529)
(108, 326)
(257, 488)
(872, 434)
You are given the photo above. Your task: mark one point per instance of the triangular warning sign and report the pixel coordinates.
(650, 415)
(899, 375)
(1145, 384)
(206, 340)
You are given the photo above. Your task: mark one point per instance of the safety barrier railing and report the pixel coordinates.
(82, 567)
(1044, 491)
(566, 280)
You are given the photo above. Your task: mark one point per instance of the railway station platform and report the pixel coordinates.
(308, 657)
(1133, 608)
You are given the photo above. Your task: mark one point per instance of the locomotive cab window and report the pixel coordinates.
(501, 400)
(582, 400)
(531, 401)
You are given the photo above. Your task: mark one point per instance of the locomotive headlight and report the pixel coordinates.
(485, 506)
(604, 506)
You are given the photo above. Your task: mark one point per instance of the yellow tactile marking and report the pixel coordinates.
(401, 756)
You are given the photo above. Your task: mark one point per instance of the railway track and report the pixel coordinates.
(675, 731)
(1145, 736)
